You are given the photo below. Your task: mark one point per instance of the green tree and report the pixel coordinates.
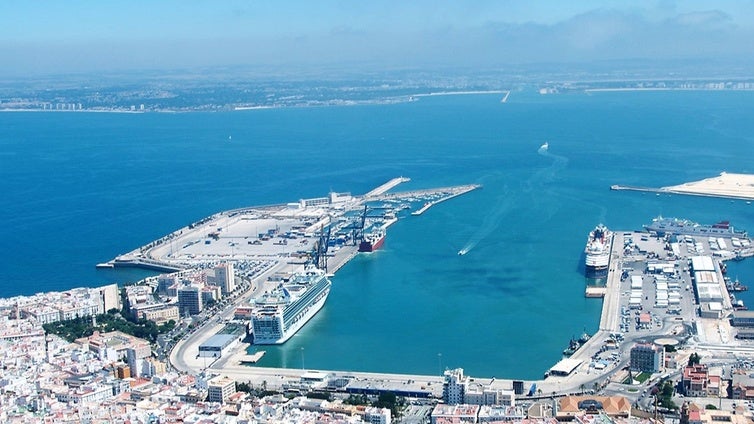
(353, 399)
(243, 387)
(319, 395)
(694, 359)
(387, 400)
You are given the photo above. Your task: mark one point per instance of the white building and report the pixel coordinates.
(225, 278)
(219, 389)
(486, 395)
(86, 394)
(374, 415)
(455, 386)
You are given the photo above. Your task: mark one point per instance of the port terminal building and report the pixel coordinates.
(218, 345)
(565, 367)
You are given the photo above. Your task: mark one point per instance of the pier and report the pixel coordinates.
(727, 186)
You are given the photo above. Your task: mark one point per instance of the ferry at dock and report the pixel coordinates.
(597, 250)
(677, 226)
(280, 313)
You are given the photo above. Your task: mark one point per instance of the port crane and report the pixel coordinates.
(319, 253)
(357, 234)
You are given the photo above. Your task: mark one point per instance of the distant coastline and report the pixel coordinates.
(620, 89)
(79, 110)
(459, 93)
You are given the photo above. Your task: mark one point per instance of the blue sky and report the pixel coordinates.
(64, 36)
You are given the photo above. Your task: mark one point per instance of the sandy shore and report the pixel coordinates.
(738, 186)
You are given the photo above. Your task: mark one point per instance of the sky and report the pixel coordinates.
(49, 37)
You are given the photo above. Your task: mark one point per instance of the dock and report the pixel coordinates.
(252, 359)
(594, 291)
(422, 209)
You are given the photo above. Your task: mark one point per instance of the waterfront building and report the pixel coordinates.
(455, 386)
(190, 300)
(647, 357)
(225, 278)
(219, 389)
(743, 319)
(51, 307)
(218, 344)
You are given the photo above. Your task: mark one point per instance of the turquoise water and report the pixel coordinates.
(81, 188)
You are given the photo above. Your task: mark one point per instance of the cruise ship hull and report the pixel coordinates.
(596, 271)
(597, 251)
(280, 313)
(290, 332)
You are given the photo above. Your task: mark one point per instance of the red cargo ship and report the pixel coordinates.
(372, 241)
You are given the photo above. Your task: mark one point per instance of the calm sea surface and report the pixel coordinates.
(80, 188)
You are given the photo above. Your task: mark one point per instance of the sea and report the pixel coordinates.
(80, 188)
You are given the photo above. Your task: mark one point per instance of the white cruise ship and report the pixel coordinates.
(597, 250)
(279, 314)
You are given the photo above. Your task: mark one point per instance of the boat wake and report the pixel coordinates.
(558, 164)
(505, 203)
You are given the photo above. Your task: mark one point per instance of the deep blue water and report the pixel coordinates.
(80, 188)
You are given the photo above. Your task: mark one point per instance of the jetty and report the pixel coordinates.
(726, 185)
